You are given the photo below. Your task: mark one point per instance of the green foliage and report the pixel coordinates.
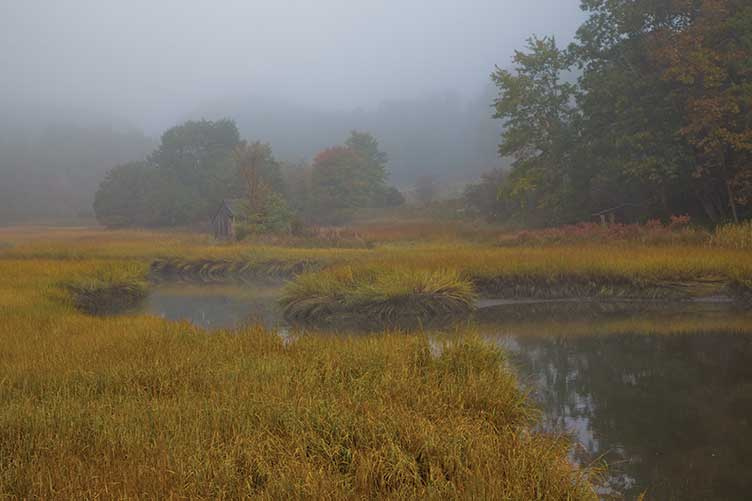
(258, 171)
(536, 104)
(126, 194)
(196, 158)
(374, 171)
(483, 199)
(199, 164)
(183, 180)
(658, 121)
(273, 217)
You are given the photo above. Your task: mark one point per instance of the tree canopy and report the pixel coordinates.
(649, 108)
(200, 163)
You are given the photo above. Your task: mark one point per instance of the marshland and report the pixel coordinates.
(330, 250)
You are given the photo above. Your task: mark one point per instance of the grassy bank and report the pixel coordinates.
(401, 277)
(135, 406)
(583, 271)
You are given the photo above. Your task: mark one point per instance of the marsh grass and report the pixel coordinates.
(139, 407)
(110, 289)
(377, 293)
(386, 286)
(737, 236)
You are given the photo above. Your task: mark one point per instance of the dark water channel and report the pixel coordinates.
(662, 393)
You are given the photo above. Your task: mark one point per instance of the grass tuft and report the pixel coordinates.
(108, 290)
(377, 293)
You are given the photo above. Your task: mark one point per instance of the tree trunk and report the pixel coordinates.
(728, 160)
(732, 202)
(707, 204)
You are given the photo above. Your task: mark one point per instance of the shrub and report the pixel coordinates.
(274, 217)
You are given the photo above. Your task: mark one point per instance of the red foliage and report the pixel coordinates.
(334, 155)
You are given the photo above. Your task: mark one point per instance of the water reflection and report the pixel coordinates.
(670, 412)
(216, 306)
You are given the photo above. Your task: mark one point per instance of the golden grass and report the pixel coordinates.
(139, 407)
(109, 289)
(738, 236)
(548, 272)
(374, 293)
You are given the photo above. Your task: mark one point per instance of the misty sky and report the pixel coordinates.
(152, 62)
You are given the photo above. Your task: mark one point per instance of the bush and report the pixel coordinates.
(276, 217)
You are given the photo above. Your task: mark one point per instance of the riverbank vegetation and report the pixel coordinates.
(343, 407)
(378, 294)
(136, 406)
(543, 267)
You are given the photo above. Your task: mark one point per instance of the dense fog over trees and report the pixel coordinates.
(443, 134)
(51, 168)
(298, 75)
(530, 113)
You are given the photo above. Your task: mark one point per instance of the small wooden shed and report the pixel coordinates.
(224, 218)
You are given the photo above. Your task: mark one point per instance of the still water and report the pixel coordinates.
(663, 394)
(217, 306)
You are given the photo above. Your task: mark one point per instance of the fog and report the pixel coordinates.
(298, 74)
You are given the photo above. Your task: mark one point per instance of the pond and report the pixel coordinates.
(662, 393)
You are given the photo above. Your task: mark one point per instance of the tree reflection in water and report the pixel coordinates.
(670, 413)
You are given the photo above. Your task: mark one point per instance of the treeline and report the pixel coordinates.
(201, 163)
(648, 111)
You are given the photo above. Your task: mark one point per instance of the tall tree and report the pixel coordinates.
(197, 159)
(630, 119)
(708, 61)
(260, 172)
(537, 107)
(374, 171)
(338, 180)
